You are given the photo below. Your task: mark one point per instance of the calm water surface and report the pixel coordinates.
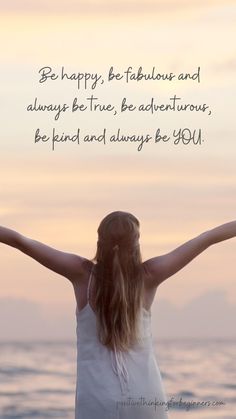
(38, 379)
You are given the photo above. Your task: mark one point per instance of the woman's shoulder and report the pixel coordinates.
(88, 266)
(150, 279)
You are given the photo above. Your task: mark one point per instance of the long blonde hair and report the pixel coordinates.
(118, 280)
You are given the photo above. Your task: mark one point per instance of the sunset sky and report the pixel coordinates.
(59, 197)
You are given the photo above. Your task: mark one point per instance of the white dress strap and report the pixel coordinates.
(90, 277)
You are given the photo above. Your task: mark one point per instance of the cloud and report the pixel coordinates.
(131, 7)
(23, 319)
(207, 316)
(87, 191)
(226, 66)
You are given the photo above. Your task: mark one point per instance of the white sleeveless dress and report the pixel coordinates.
(115, 385)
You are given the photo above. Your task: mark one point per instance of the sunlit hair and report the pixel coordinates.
(118, 281)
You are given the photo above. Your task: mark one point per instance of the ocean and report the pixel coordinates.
(38, 379)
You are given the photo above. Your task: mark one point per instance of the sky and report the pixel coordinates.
(177, 191)
(40, 321)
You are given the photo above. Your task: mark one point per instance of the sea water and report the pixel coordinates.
(38, 379)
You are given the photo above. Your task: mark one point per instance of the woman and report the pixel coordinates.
(117, 373)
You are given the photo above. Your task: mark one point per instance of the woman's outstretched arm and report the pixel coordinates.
(66, 264)
(164, 266)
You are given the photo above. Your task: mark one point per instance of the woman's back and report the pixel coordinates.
(103, 375)
(114, 384)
